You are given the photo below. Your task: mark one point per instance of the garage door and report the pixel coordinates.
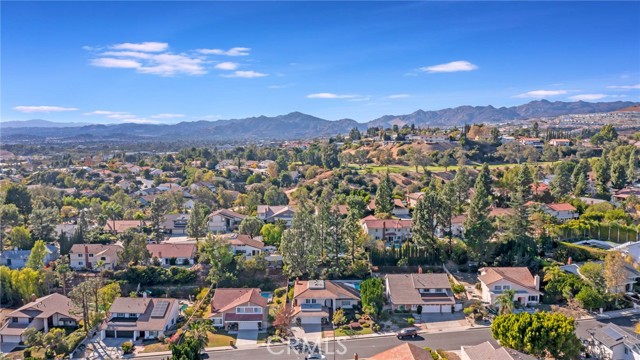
(10, 339)
(248, 325)
(431, 309)
(109, 333)
(125, 334)
(311, 320)
(446, 309)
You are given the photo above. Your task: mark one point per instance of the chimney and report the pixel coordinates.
(536, 282)
(160, 254)
(297, 280)
(33, 297)
(569, 261)
(419, 269)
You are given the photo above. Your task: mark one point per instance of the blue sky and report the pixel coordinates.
(165, 62)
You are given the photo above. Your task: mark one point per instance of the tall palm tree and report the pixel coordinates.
(200, 330)
(505, 301)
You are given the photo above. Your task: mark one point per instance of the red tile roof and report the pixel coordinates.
(225, 299)
(405, 351)
(561, 207)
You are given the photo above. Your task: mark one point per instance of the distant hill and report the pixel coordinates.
(295, 125)
(488, 114)
(39, 123)
(630, 108)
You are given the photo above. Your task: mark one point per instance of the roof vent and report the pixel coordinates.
(316, 284)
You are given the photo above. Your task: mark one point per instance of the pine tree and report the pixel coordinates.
(603, 175)
(384, 196)
(425, 219)
(197, 223)
(618, 175)
(478, 228)
(632, 166)
(561, 183)
(580, 189)
(519, 226)
(299, 248)
(581, 169)
(446, 208)
(461, 184)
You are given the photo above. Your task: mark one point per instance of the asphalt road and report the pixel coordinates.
(345, 350)
(627, 322)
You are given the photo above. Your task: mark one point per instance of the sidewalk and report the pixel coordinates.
(616, 314)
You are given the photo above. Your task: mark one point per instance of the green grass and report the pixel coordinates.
(262, 337)
(363, 331)
(407, 168)
(220, 339)
(156, 347)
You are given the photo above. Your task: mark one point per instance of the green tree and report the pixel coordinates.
(159, 208)
(607, 133)
(38, 253)
(590, 298)
(250, 226)
(581, 186)
(19, 196)
(417, 158)
(462, 184)
(372, 295)
(64, 273)
(384, 196)
(603, 175)
(478, 228)
(300, 251)
(446, 210)
(43, 223)
(505, 301)
(200, 330)
(197, 223)
(541, 334)
(632, 166)
(135, 247)
(274, 196)
(221, 259)
(272, 233)
(425, 221)
(20, 237)
(561, 183)
(618, 175)
(615, 273)
(353, 234)
(186, 349)
(339, 317)
(593, 272)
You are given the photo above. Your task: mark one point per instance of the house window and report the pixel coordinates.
(133, 316)
(345, 303)
(15, 319)
(533, 298)
(310, 301)
(121, 315)
(103, 258)
(90, 255)
(80, 263)
(506, 287)
(79, 255)
(497, 287)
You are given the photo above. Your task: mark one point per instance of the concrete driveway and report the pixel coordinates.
(309, 332)
(246, 338)
(108, 348)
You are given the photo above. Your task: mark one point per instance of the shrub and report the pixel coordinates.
(75, 338)
(468, 311)
(376, 327)
(411, 321)
(127, 347)
(457, 288)
(290, 293)
(355, 326)
(366, 325)
(345, 327)
(279, 292)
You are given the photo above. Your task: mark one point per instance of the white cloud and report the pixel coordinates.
(167, 116)
(136, 120)
(43, 109)
(227, 66)
(121, 116)
(398, 96)
(171, 64)
(453, 66)
(283, 86)
(132, 54)
(588, 97)
(116, 63)
(541, 93)
(105, 112)
(246, 74)
(149, 46)
(624, 87)
(331, 96)
(236, 51)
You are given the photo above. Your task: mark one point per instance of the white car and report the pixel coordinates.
(315, 357)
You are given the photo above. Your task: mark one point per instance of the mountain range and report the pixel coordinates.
(296, 125)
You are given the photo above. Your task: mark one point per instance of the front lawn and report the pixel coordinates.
(155, 347)
(349, 332)
(220, 338)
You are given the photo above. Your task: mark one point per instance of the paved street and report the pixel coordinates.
(628, 323)
(363, 347)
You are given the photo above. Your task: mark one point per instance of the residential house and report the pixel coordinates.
(621, 195)
(431, 292)
(399, 208)
(413, 198)
(392, 231)
(44, 313)
(242, 244)
(271, 214)
(507, 139)
(121, 226)
(560, 142)
(405, 351)
(175, 224)
(314, 301)
(224, 220)
(631, 249)
(535, 142)
(486, 351)
(88, 256)
(140, 318)
(239, 309)
(17, 259)
(173, 254)
(632, 274)
(495, 280)
(561, 211)
(612, 342)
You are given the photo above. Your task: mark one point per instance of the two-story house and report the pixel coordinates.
(399, 208)
(561, 211)
(89, 256)
(242, 244)
(560, 142)
(486, 351)
(413, 198)
(495, 280)
(271, 214)
(612, 342)
(224, 221)
(431, 292)
(173, 254)
(17, 259)
(392, 231)
(175, 224)
(44, 313)
(315, 300)
(239, 309)
(535, 142)
(140, 318)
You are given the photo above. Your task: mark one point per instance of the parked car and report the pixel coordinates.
(315, 357)
(407, 332)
